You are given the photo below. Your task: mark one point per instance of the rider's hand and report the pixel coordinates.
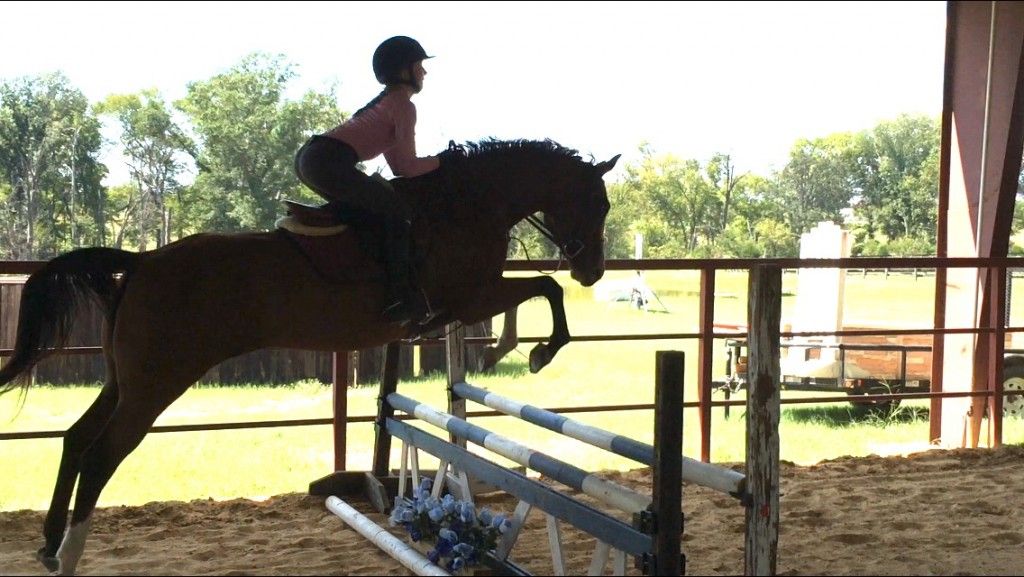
(452, 155)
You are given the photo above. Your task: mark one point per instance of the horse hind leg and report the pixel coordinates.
(77, 439)
(131, 420)
(508, 340)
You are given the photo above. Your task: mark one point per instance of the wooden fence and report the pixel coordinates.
(267, 366)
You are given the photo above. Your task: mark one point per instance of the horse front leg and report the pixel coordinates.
(509, 293)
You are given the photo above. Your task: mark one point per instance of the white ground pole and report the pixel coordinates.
(379, 536)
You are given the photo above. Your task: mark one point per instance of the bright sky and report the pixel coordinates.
(690, 78)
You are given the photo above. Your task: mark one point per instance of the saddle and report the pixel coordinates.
(324, 215)
(321, 233)
(317, 232)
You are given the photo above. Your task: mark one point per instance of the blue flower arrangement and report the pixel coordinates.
(461, 536)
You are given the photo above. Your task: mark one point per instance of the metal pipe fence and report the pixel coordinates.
(705, 335)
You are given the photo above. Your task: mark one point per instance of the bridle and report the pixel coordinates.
(569, 250)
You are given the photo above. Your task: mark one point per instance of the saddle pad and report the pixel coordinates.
(337, 257)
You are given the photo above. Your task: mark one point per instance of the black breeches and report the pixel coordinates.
(328, 167)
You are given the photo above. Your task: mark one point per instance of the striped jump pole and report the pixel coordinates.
(599, 524)
(698, 472)
(605, 491)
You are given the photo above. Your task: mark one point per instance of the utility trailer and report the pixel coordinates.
(839, 367)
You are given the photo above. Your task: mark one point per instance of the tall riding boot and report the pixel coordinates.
(404, 304)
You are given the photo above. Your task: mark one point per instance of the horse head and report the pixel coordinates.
(529, 176)
(576, 219)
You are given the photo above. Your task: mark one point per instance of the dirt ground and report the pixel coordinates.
(940, 512)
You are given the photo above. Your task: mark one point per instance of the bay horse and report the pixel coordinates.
(174, 312)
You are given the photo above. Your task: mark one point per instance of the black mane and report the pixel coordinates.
(494, 146)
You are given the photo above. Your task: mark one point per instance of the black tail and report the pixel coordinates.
(49, 301)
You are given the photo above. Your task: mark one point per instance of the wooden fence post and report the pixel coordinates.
(763, 410)
(339, 389)
(388, 385)
(455, 351)
(667, 490)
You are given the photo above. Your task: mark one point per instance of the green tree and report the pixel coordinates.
(155, 149)
(681, 205)
(49, 146)
(123, 206)
(898, 178)
(624, 220)
(817, 182)
(248, 134)
(728, 186)
(758, 227)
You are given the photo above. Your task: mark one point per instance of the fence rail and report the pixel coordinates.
(705, 337)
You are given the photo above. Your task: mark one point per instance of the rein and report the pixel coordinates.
(567, 253)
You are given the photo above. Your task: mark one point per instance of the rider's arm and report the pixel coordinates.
(402, 156)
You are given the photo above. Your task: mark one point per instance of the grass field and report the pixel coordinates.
(263, 462)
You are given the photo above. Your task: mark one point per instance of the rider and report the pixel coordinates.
(386, 125)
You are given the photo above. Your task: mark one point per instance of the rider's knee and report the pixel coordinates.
(396, 205)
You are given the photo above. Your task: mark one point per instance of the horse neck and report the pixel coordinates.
(517, 190)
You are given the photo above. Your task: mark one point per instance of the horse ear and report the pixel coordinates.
(604, 167)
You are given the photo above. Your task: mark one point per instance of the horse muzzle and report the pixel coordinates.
(587, 277)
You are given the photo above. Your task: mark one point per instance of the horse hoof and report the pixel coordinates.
(52, 564)
(487, 360)
(540, 356)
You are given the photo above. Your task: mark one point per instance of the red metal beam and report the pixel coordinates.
(983, 119)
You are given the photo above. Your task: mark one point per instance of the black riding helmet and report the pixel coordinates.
(395, 55)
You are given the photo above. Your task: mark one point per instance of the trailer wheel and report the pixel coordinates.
(878, 388)
(1013, 380)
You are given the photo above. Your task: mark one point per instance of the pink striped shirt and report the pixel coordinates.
(388, 128)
